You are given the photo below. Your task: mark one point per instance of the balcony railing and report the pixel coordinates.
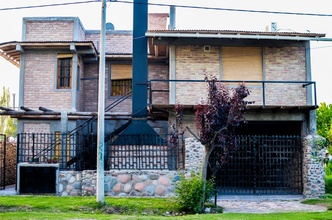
(263, 93)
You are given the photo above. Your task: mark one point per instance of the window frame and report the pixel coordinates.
(125, 78)
(64, 79)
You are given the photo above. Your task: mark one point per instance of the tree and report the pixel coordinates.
(216, 120)
(324, 123)
(8, 125)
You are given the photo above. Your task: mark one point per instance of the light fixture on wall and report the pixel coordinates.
(206, 48)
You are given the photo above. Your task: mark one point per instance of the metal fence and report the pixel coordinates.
(79, 152)
(147, 152)
(262, 165)
(2, 161)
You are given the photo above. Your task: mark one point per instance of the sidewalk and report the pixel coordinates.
(8, 191)
(266, 204)
(245, 203)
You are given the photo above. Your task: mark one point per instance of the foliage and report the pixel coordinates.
(217, 119)
(328, 184)
(328, 168)
(8, 125)
(189, 192)
(177, 128)
(324, 123)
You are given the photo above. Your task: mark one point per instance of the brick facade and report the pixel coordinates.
(49, 30)
(39, 82)
(30, 127)
(280, 64)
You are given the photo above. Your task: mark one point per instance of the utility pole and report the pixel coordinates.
(101, 108)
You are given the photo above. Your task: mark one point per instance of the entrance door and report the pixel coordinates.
(263, 165)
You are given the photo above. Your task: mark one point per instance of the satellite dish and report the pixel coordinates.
(109, 26)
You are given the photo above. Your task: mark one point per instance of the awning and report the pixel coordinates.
(11, 51)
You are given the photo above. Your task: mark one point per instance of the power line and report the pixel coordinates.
(233, 9)
(179, 6)
(47, 5)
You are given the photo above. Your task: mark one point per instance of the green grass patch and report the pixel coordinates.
(52, 207)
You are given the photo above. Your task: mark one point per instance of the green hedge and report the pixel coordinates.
(328, 184)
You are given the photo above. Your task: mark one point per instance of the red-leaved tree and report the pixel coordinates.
(216, 120)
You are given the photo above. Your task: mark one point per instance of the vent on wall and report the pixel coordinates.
(206, 48)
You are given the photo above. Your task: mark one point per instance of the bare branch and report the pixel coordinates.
(193, 134)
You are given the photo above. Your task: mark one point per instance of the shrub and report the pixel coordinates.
(328, 184)
(328, 168)
(189, 193)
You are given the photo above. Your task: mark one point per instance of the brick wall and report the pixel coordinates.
(39, 83)
(116, 41)
(90, 87)
(157, 21)
(192, 63)
(36, 127)
(80, 93)
(49, 30)
(285, 63)
(159, 71)
(281, 63)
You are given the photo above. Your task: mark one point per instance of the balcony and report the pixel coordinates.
(264, 94)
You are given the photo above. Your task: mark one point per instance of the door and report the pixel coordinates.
(262, 165)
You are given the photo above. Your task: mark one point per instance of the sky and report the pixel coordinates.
(120, 14)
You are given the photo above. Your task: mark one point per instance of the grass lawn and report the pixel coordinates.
(51, 207)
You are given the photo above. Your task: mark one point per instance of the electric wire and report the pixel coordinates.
(178, 6)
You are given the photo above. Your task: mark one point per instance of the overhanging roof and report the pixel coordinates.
(232, 34)
(11, 51)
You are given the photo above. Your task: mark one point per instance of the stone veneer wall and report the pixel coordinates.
(161, 183)
(158, 183)
(313, 169)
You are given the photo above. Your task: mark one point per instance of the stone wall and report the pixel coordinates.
(157, 183)
(119, 183)
(313, 169)
(161, 183)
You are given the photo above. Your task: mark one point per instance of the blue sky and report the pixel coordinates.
(120, 14)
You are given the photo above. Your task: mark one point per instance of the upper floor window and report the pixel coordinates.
(242, 63)
(121, 79)
(64, 74)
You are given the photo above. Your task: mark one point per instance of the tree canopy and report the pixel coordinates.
(324, 123)
(8, 125)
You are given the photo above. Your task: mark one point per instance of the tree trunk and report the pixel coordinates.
(205, 163)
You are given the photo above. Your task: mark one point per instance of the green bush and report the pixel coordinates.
(328, 168)
(328, 184)
(189, 193)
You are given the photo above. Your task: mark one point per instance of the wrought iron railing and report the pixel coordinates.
(279, 93)
(146, 152)
(79, 152)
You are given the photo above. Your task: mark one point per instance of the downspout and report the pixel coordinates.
(172, 59)
(312, 113)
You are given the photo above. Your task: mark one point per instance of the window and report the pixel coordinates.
(121, 79)
(242, 63)
(64, 74)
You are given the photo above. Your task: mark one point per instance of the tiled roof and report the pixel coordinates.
(240, 32)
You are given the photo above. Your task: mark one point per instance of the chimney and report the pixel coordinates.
(157, 21)
(172, 16)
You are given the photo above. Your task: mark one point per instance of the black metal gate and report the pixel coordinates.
(263, 165)
(2, 161)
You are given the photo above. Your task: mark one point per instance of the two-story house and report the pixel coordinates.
(58, 61)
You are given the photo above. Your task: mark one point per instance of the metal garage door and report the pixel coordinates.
(263, 165)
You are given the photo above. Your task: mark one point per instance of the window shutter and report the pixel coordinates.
(242, 63)
(121, 72)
